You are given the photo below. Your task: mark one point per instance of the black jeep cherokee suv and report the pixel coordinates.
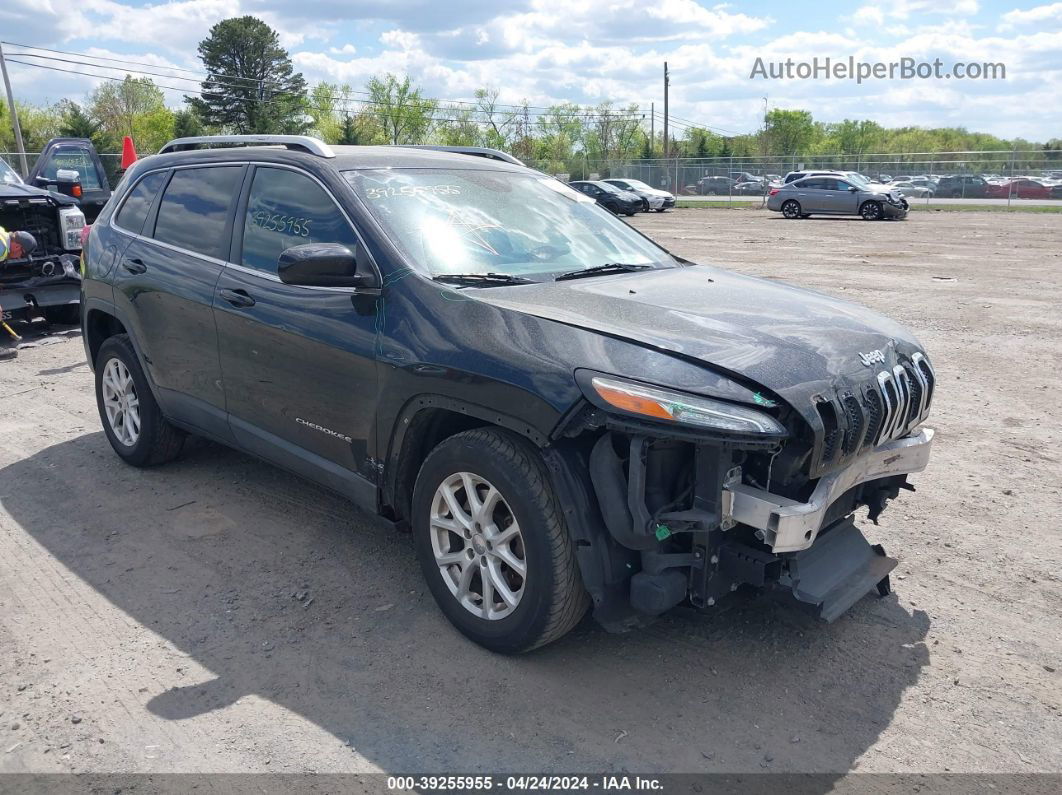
(562, 412)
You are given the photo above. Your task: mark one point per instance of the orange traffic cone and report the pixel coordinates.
(128, 152)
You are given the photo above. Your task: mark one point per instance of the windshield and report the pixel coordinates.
(472, 221)
(635, 183)
(8, 175)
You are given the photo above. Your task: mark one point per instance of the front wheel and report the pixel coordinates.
(791, 209)
(871, 211)
(492, 542)
(132, 420)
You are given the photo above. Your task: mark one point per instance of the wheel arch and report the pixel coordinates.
(100, 325)
(424, 422)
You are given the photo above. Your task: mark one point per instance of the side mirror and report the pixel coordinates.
(67, 181)
(324, 265)
(853, 189)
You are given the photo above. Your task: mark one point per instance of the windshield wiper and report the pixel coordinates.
(480, 279)
(610, 267)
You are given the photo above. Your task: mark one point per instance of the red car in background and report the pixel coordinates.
(1018, 189)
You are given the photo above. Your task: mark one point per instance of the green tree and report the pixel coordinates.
(252, 86)
(75, 123)
(187, 124)
(38, 125)
(403, 112)
(132, 106)
(790, 132)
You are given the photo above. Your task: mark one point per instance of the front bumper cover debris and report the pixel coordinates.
(789, 525)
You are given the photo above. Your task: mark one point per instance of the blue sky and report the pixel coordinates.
(588, 51)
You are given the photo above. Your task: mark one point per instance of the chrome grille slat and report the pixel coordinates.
(905, 401)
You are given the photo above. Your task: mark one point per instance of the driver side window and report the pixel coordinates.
(284, 209)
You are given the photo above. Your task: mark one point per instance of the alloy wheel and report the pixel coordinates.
(478, 546)
(120, 402)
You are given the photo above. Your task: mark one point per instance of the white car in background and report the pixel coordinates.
(652, 198)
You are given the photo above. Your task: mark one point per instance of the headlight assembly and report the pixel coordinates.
(72, 221)
(691, 410)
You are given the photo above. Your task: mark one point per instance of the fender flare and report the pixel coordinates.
(426, 401)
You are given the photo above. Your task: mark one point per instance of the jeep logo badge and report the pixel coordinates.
(871, 357)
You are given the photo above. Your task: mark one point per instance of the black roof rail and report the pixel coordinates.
(301, 143)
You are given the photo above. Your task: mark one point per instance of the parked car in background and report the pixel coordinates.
(963, 186)
(908, 188)
(46, 281)
(834, 195)
(1019, 189)
(563, 415)
(756, 188)
(715, 186)
(609, 196)
(652, 198)
(80, 156)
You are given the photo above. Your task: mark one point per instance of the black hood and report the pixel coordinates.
(790, 340)
(20, 191)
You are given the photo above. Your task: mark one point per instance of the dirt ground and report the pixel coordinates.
(218, 614)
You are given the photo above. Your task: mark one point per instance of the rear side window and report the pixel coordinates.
(194, 211)
(285, 209)
(813, 184)
(135, 209)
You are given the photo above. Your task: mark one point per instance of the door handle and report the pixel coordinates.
(238, 298)
(134, 265)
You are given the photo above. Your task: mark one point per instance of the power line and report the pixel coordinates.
(432, 117)
(222, 79)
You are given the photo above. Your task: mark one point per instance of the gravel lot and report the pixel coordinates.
(218, 614)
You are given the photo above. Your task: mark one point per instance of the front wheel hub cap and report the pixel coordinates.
(478, 545)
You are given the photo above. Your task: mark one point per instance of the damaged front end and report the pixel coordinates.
(49, 276)
(696, 512)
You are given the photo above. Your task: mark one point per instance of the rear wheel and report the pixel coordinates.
(791, 209)
(871, 211)
(492, 542)
(132, 421)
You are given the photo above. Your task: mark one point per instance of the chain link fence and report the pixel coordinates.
(968, 174)
(934, 175)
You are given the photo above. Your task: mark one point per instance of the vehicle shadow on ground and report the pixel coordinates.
(287, 592)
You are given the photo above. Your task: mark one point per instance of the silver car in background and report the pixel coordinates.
(837, 194)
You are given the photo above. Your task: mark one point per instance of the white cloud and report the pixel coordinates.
(1039, 15)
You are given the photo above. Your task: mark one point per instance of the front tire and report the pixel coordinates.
(131, 418)
(871, 211)
(492, 542)
(791, 209)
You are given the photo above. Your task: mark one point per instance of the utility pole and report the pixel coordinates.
(14, 115)
(667, 147)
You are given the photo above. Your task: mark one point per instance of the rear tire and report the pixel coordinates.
(131, 417)
(462, 546)
(791, 209)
